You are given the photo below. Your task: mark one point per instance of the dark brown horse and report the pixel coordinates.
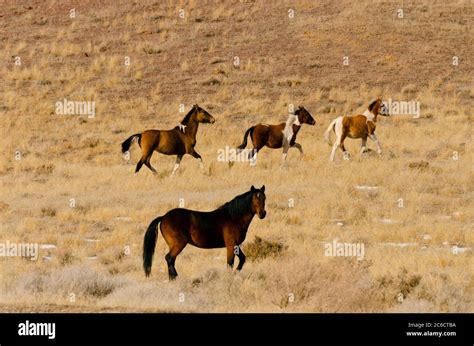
(278, 136)
(178, 141)
(224, 227)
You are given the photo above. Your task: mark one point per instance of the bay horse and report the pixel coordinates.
(278, 136)
(177, 141)
(357, 126)
(224, 227)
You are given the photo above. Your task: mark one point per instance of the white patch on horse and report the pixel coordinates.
(338, 131)
(297, 121)
(182, 127)
(369, 115)
(288, 130)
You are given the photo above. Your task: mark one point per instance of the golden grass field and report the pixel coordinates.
(96, 263)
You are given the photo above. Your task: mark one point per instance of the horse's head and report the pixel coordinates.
(202, 115)
(258, 201)
(378, 107)
(384, 110)
(304, 117)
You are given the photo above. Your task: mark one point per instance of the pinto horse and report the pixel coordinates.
(178, 141)
(224, 227)
(278, 136)
(357, 126)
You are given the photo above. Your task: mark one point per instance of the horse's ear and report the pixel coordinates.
(263, 188)
(252, 188)
(195, 105)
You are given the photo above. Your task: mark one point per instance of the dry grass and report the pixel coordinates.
(177, 61)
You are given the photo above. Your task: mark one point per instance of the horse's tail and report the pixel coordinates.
(244, 143)
(129, 140)
(328, 132)
(149, 244)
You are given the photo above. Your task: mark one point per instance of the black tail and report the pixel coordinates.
(128, 142)
(149, 244)
(244, 144)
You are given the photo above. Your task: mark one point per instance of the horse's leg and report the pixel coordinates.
(286, 147)
(254, 152)
(172, 274)
(252, 157)
(230, 256)
(334, 148)
(194, 154)
(377, 143)
(147, 151)
(338, 130)
(148, 164)
(176, 165)
(139, 165)
(341, 145)
(258, 143)
(241, 259)
(337, 144)
(170, 258)
(363, 146)
(299, 147)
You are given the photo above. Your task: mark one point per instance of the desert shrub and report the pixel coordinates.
(403, 283)
(80, 280)
(261, 248)
(48, 211)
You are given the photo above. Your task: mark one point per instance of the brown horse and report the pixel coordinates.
(357, 126)
(224, 227)
(278, 136)
(178, 141)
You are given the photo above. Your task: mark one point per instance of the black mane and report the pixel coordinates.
(239, 206)
(188, 116)
(372, 105)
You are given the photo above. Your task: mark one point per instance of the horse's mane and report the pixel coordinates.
(188, 116)
(239, 205)
(372, 105)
